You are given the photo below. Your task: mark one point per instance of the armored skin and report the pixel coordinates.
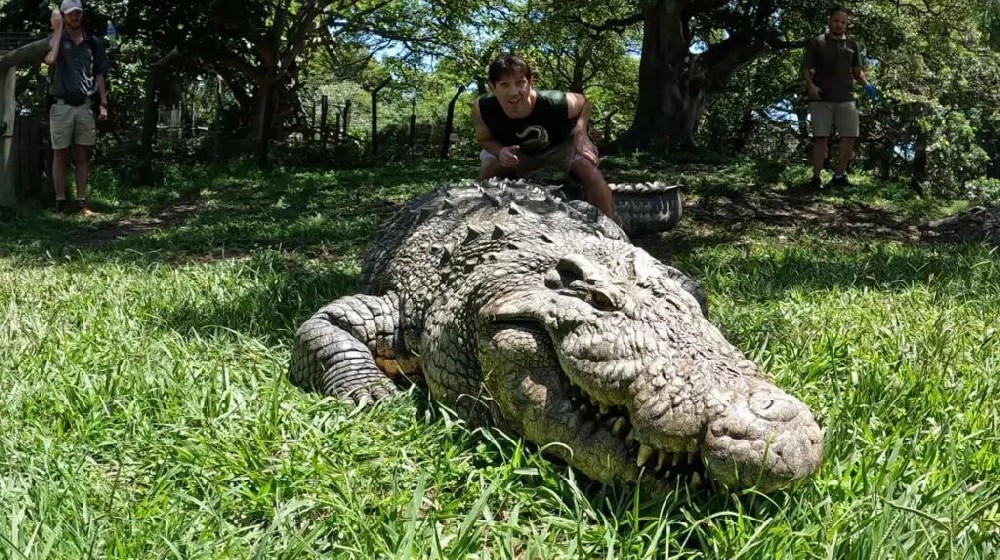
(541, 318)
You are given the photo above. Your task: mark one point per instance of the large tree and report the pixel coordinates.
(690, 50)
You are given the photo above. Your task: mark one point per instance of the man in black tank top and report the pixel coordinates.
(523, 131)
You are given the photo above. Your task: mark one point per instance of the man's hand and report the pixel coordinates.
(815, 93)
(57, 21)
(102, 113)
(508, 156)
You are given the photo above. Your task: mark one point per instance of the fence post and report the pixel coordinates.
(324, 113)
(7, 110)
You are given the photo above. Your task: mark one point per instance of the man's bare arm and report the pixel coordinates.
(483, 134)
(57, 28)
(579, 108)
(102, 89)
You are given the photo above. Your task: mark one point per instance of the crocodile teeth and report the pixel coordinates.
(661, 460)
(619, 427)
(692, 455)
(696, 480)
(645, 452)
(603, 408)
(675, 460)
(630, 437)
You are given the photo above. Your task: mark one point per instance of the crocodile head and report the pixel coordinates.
(608, 363)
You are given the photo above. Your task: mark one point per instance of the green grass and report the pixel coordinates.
(145, 413)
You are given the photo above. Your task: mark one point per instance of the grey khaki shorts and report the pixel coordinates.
(70, 125)
(842, 115)
(557, 158)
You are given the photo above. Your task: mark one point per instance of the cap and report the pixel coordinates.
(68, 6)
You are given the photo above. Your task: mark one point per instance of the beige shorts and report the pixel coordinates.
(557, 158)
(70, 125)
(842, 115)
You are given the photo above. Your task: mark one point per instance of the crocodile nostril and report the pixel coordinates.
(775, 409)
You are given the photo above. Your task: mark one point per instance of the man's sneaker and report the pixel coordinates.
(841, 181)
(60, 209)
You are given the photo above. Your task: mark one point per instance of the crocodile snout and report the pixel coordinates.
(768, 439)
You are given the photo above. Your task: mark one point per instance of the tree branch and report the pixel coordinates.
(32, 52)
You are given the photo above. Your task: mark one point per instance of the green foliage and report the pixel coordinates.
(983, 190)
(953, 154)
(935, 64)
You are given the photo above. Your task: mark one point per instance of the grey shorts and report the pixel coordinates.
(826, 114)
(557, 158)
(70, 125)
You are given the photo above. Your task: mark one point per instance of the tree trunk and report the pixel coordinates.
(919, 175)
(805, 139)
(347, 118)
(664, 114)
(323, 116)
(236, 83)
(413, 124)
(375, 122)
(158, 72)
(449, 122)
(674, 84)
(264, 121)
(885, 160)
(375, 91)
(579, 68)
(32, 53)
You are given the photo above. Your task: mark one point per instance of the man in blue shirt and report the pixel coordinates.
(78, 65)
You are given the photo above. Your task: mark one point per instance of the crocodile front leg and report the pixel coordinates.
(347, 349)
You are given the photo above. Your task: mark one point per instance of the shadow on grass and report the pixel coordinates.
(287, 224)
(220, 213)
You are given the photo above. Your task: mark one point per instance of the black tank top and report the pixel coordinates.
(546, 126)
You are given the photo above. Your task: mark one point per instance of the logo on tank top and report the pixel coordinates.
(534, 138)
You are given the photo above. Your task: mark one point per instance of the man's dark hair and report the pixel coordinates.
(505, 65)
(839, 8)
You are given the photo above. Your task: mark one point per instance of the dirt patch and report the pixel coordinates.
(796, 212)
(725, 216)
(166, 217)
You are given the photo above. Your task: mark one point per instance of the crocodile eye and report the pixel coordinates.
(601, 301)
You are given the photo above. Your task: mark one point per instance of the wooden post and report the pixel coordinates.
(346, 123)
(413, 122)
(7, 108)
(30, 53)
(324, 114)
(449, 123)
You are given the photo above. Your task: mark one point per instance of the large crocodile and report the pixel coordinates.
(539, 317)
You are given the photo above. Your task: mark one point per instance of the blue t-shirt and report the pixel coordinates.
(74, 75)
